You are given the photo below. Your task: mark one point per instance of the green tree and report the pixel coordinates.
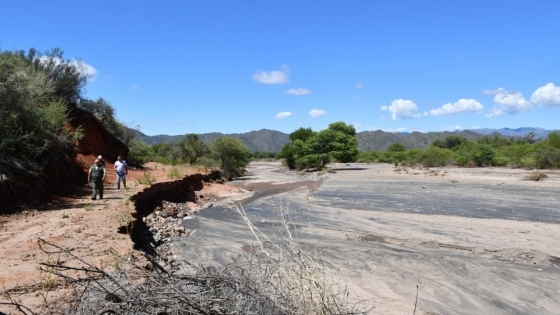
(302, 134)
(316, 149)
(139, 151)
(232, 154)
(396, 147)
(554, 139)
(194, 148)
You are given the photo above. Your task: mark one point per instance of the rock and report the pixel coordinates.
(165, 213)
(112, 297)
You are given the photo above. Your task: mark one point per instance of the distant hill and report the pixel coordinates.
(266, 140)
(519, 132)
(263, 140)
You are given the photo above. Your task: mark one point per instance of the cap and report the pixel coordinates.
(99, 157)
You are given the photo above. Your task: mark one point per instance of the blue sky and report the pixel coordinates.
(177, 67)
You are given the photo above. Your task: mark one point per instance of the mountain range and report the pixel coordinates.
(266, 140)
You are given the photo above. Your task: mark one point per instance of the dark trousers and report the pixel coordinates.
(97, 186)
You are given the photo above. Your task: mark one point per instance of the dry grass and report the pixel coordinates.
(536, 176)
(277, 277)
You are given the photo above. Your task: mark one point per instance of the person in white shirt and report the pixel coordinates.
(122, 170)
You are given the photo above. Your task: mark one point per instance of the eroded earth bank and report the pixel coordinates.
(474, 241)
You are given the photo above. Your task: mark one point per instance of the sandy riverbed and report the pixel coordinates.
(474, 240)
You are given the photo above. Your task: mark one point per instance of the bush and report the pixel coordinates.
(174, 173)
(546, 156)
(367, 157)
(478, 154)
(434, 156)
(147, 179)
(396, 147)
(516, 153)
(232, 154)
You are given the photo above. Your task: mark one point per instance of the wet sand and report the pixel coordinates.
(474, 241)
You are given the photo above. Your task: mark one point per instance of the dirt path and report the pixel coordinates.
(89, 228)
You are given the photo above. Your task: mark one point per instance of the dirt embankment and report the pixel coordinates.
(89, 229)
(65, 173)
(97, 140)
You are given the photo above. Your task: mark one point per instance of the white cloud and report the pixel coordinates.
(476, 127)
(298, 92)
(83, 67)
(402, 108)
(272, 77)
(359, 86)
(507, 102)
(461, 106)
(134, 88)
(186, 122)
(547, 96)
(452, 128)
(317, 113)
(281, 115)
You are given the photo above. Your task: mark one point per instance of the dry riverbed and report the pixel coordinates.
(474, 240)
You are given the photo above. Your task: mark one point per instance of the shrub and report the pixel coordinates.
(232, 154)
(516, 153)
(475, 153)
(546, 156)
(396, 147)
(147, 179)
(434, 156)
(367, 157)
(174, 173)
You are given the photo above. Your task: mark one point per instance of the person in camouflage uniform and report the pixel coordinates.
(96, 176)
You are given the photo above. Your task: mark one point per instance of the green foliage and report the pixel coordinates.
(546, 155)
(554, 139)
(475, 153)
(432, 157)
(258, 155)
(316, 149)
(302, 134)
(449, 142)
(174, 173)
(146, 179)
(516, 154)
(396, 147)
(139, 152)
(367, 157)
(232, 154)
(35, 90)
(192, 148)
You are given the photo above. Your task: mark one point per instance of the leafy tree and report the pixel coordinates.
(396, 147)
(316, 149)
(194, 148)
(302, 134)
(546, 155)
(139, 152)
(554, 139)
(232, 154)
(33, 103)
(438, 143)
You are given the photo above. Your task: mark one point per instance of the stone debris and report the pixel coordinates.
(165, 222)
